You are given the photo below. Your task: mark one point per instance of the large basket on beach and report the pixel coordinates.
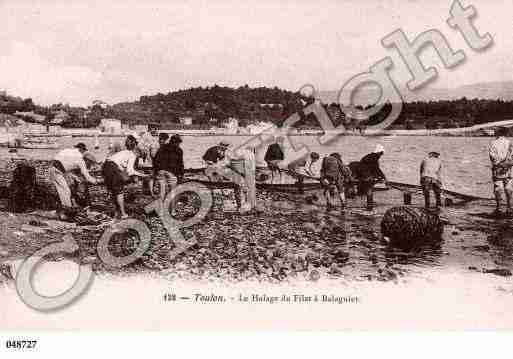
(411, 226)
(41, 166)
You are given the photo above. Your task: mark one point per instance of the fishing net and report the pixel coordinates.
(27, 184)
(411, 226)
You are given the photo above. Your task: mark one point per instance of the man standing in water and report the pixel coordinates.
(431, 178)
(500, 152)
(369, 173)
(334, 175)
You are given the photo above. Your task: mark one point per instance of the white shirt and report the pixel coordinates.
(498, 150)
(72, 159)
(431, 167)
(125, 160)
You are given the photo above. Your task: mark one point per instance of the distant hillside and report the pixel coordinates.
(207, 107)
(11, 104)
(488, 90)
(211, 106)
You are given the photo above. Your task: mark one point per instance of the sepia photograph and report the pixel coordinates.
(335, 165)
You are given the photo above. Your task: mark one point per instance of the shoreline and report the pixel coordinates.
(481, 130)
(391, 133)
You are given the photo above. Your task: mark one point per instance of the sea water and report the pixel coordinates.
(467, 167)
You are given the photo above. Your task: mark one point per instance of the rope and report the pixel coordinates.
(465, 197)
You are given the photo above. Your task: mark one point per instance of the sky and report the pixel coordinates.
(79, 51)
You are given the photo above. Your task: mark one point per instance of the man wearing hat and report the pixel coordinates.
(69, 174)
(213, 158)
(501, 157)
(431, 177)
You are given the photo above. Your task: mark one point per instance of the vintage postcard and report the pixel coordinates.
(270, 165)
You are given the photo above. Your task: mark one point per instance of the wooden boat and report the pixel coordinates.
(271, 187)
(312, 184)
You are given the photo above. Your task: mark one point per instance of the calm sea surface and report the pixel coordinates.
(467, 167)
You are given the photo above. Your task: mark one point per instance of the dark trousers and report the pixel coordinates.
(369, 192)
(366, 188)
(300, 184)
(430, 184)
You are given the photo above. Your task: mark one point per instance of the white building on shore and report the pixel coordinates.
(110, 125)
(186, 120)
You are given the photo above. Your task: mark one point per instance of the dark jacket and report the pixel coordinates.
(213, 155)
(274, 153)
(368, 168)
(169, 157)
(334, 169)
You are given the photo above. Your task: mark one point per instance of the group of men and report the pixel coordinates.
(71, 167)
(500, 152)
(341, 180)
(70, 172)
(337, 178)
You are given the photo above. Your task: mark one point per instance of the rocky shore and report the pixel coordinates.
(290, 237)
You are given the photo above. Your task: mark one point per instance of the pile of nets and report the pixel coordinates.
(26, 183)
(410, 227)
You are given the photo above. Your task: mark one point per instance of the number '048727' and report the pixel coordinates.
(20, 344)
